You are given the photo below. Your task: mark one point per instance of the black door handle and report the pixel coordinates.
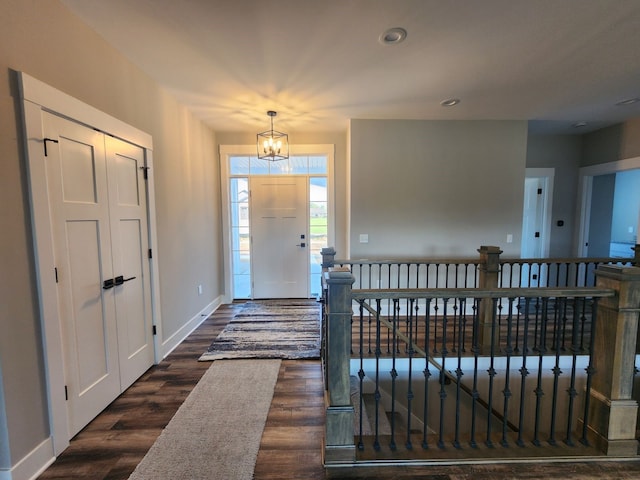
(107, 284)
(301, 245)
(119, 280)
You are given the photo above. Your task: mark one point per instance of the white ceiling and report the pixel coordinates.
(319, 63)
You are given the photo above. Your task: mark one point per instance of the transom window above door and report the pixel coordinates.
(295, 165)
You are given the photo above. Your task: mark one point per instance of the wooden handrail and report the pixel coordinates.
(415, 293)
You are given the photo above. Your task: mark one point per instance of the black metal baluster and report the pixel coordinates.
(564, 325)
(443, 377)
(542, 349)
(361, 375)
(435, 312)
(556, 374)
(475, 349)
(377, 395)
(427, 374)
(410, 354)
(459, 374)
(575, 348)
(523, 373)
(394, 372)
(491, 371)
(590, 372)
(508, 351)
(583, 321)
(537, 326)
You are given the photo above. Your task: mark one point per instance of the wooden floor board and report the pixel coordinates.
(111, 446)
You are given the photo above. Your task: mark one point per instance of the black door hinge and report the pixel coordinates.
(150, 254)
(155, 331)
(66, 393)
(55, 269)
(53, 140)
(145, 172)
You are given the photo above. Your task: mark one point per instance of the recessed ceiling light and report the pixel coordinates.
(579, 124)
(628, 101)
(450, 102)
(393, 36)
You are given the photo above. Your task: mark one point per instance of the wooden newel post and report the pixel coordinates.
(489, 270)
(328, 256)
(339, 440)
(612, 411)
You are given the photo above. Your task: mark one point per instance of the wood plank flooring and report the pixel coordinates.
(111, 446)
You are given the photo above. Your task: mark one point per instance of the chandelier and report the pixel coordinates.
(273, 145)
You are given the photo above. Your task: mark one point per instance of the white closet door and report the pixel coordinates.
(130, 246)
(79, 203)
(97, 197)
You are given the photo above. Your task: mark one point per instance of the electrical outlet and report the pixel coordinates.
(199, 289)
(509, 238)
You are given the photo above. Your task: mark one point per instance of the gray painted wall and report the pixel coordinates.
(562, 153)
(436, 188)
(611, 144)
(49, 43)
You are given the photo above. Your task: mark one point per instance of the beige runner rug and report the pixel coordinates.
(216, 433)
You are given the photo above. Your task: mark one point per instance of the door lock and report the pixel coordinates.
(301, 245)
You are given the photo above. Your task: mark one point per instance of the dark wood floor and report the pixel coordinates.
(111, 446)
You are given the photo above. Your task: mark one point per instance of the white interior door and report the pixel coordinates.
(97, 200)
(130, 246)
(536, 224)
(279, 236)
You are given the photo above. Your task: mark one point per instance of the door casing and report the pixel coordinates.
(225, 152)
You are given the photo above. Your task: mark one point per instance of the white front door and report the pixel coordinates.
(279, 239)
(97, 199)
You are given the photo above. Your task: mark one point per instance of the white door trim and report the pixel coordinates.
(585, 186)
(37, 97)
(250, 150)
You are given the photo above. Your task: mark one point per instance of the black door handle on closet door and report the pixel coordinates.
(119, 280)
(107, 284)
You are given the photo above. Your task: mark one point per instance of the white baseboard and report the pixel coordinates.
(33, 464)
(169, 344)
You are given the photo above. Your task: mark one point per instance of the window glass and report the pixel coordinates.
(259, 167)
(299, 165)
(239, 165)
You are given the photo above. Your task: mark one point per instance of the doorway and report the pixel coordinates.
(609, 209)
(268, 255)
(536, 223)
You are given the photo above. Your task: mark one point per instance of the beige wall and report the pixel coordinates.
(339, 139)
(41, 38)
(436, 188)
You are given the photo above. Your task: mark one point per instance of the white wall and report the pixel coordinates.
(436, 188)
